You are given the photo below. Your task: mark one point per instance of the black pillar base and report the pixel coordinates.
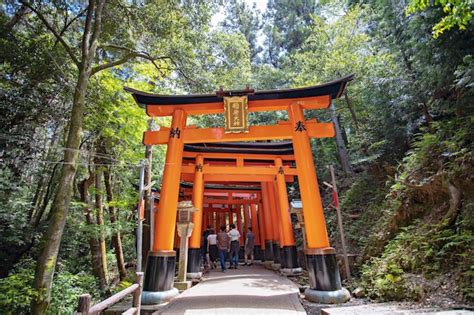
(194, 260)
(276, 253)
(257, 252)
(268, 250)
(289, 257)
(322, 269)
(160, 269)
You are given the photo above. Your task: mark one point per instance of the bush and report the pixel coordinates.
(16, 290)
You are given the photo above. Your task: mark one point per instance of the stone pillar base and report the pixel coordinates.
(194, 261)
(291, 271)
(181, 286)
(268, 264)
(276, 267)
(257, 253)
(322, 268)
(327, 297)
(289, 259)
(268, 250)
(193, 275)
(158, 297)
(276, 252)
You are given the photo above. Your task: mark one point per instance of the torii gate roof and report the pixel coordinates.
(268, 148)
(333, 89)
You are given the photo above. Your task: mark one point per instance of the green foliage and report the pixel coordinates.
(418, 249)
(16, 290)
(457, 13)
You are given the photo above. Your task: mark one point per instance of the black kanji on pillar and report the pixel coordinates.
(198, 168)
(300, 126)
(175, 132)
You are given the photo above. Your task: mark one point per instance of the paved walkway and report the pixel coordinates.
(247, 290)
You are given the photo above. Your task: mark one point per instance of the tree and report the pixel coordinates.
(93, 24)
(456, 13)
(246, 20)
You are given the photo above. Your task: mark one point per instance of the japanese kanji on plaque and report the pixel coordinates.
(236, 114)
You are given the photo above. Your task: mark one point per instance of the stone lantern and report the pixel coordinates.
(185, 228)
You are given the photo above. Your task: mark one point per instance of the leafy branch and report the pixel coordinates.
(53, 31)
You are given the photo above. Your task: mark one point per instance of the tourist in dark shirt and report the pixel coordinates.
(223, 243)
(249, 246)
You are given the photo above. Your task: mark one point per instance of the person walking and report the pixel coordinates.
(223, 242)
(249, 246)
(234, 246)
(212, 250)
(204, 247)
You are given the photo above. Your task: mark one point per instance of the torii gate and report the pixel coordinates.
(325, 283)
(256, 162)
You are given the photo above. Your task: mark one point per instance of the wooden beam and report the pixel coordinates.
(314, 102)
(225, 179)
(238, 170)
(276, 132)
(249, 159)
(212, 201)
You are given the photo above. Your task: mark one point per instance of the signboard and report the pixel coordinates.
(236, 114)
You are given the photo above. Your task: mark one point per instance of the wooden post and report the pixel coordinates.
(84, 305)
(140, 218)
(339, 223)
(137, 295)
(149, 202)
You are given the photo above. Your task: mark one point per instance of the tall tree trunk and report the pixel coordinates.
(148, 200)
(99, 212)
(94, 243)
(116, 237)
(46, 264)
(340, 145)
(37, 197)
(52, 239)
(46, 197)
(351, 110)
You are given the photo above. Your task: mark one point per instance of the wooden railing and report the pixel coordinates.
(84, 307)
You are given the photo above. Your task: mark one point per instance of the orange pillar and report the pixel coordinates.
(161, 261)
(239, 223)
(165, 221)
(285, 218)
(254, 219)
(198, 196)
(246, 220)
(275, 222)
(261, 225)
(219, 219)
(267, 223)
(316, 233)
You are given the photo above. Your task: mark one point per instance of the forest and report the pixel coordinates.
(71, 137)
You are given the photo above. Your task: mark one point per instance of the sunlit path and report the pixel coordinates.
(247, 290)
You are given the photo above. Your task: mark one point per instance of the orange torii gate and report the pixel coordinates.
(325, 283)
(257, 162)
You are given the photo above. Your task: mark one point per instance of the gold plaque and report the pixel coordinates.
(236, 114)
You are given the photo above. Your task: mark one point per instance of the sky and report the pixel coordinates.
(261, 5)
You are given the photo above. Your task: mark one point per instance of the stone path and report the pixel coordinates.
(247, 290)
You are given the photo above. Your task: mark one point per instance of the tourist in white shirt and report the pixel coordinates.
(234, 246)
(212, 250)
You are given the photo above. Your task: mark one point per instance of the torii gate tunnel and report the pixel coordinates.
(229, 174)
